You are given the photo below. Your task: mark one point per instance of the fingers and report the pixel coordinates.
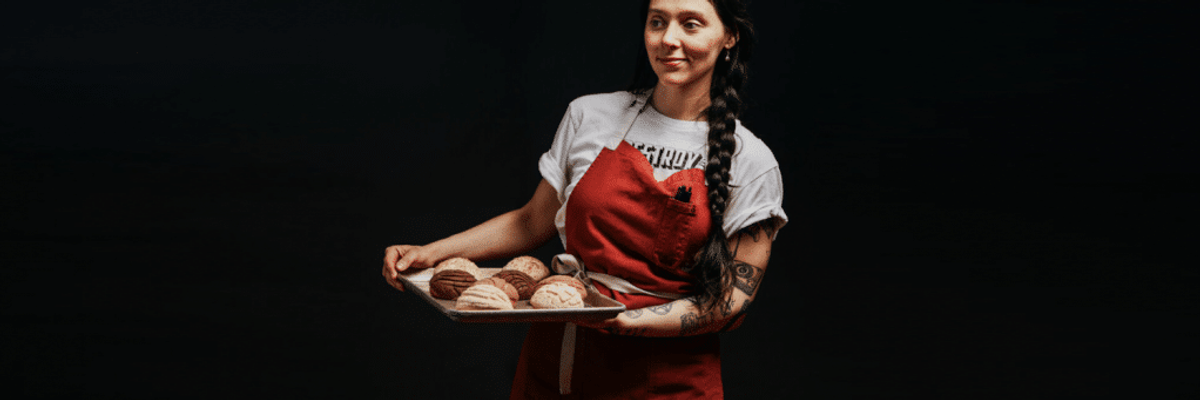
(392, 277)
(403, 257)
(398, 258)
(405, 260)
(392, 254)
(393, 281)
(394, 259)
(391, 268)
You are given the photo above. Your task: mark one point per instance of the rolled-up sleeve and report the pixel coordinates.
(760, 199)
(553, 163)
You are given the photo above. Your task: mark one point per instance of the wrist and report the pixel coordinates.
(438, 251)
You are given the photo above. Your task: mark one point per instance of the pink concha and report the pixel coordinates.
(458, 263)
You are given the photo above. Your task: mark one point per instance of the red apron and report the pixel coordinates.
(622, 222)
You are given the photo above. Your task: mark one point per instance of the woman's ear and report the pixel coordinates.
(731, 41)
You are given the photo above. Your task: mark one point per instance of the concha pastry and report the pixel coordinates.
(530, 266)
(508, 288)
(483, 297)
(525, 285)
(450, 284)
(458, 263)
(556, 295)
(565, 279)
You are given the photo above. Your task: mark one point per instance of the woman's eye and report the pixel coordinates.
(691, 25)
(654, 23)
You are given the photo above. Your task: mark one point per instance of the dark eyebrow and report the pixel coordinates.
(684, 13)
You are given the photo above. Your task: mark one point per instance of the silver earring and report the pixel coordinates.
(726, 55)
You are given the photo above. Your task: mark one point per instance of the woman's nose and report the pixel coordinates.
(671, 36)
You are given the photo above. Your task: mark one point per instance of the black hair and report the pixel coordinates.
(713, 264)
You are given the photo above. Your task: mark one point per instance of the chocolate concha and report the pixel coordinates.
(483, 297)
(564, 279)
(530, 266)
(458, 263)
(556, 295)
(450, 284)
(523, 282)
(500, 283)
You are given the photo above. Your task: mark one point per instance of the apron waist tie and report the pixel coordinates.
(569, 265)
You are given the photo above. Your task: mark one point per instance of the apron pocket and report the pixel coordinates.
(673, 226)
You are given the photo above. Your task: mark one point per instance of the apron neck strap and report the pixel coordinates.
(641, 102)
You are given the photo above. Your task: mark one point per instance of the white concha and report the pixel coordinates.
(483, 297)
(556, 295)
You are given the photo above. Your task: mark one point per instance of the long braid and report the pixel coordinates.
(714, 262)
(713, 266)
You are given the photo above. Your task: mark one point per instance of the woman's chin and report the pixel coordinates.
(680, 80)
(674, 81)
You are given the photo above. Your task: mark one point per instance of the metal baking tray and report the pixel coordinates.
(596, 305)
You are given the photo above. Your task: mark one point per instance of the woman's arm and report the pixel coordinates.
(752, 249)
(508, 234)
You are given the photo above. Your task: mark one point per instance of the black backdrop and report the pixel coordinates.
(197, 194)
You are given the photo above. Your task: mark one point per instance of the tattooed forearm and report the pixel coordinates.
(661, 310)
(692, 323)
(633, 314)
(727, 308)
(689, 323)
(748, 277)
(737, 317)
(745, 307)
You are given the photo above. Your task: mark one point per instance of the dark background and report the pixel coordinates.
(987, 199)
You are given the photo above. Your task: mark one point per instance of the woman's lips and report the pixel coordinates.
(671, 62)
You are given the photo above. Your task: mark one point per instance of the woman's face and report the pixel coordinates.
(684, 38)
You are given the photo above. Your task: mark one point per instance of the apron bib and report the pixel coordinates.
(622, 222)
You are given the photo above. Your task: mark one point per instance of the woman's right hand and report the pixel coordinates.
(401, 257)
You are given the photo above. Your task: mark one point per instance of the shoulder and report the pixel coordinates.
(603, 106)
(752, 158)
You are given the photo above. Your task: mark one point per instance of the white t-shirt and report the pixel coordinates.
(597, 121)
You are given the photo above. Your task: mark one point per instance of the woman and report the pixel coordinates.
(663, 189)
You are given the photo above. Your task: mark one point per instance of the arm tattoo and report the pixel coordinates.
(747, 280)
(727, 308)
(748, 277)
(633, 314)
(661, 310)
(745, 307)
(766, 225)
(691, 323)
(737, 318)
